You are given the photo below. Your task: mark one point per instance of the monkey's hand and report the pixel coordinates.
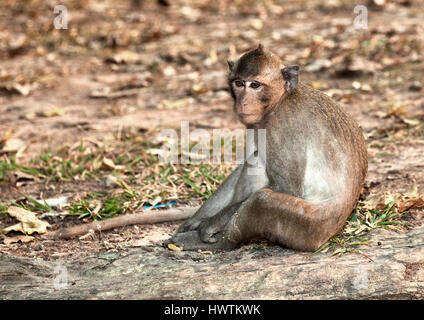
(209, 224)
(189, 225)
(199, 221)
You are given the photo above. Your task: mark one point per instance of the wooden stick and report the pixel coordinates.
(148, 217)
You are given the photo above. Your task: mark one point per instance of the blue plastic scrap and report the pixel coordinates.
(160, 205)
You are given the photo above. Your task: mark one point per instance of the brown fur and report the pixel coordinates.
(296, 118)
(316, 162)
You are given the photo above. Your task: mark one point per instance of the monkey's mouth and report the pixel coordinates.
(245, 115)
(248, 118)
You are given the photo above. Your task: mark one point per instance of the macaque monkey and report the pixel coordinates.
(312, 172)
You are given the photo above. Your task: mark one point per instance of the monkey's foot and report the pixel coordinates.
(191, 241)
(214, 228)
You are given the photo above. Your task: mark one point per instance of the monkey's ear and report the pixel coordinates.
(260, 48)
(291, 75)
(230, 64)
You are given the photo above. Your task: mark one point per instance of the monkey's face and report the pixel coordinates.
(251, 99)
(257, 84)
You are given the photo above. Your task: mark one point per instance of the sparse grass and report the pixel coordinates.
(33, 205)
(102, 205)
(135, 175)
(8, 165)
(128, 158)
(3, 210)
(384, 154)
(5, 167)
(360, 223)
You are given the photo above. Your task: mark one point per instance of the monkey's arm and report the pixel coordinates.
(239, 186)
(218, 201)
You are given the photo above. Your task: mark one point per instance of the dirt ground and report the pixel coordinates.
(120, 68)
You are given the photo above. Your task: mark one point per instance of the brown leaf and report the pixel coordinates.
(29, 223)
(173, 247)
(16, 88)
(22, 238)
(7, 136)
(52, 113)
(124, 57)
(13, 145)
(256, 24)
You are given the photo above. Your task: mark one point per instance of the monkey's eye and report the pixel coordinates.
(255, 85)
(239, 83)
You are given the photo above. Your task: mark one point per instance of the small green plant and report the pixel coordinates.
(32, 205)
(360, 223)
(3, 210)
(101, 205)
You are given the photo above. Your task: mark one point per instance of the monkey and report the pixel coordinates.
(312, 173)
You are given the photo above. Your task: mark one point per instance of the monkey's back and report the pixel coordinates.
(321, 155)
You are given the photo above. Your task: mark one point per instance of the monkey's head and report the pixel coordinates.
(258, 81)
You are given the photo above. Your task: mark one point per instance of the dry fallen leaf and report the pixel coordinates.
(174, 247)
(21, 238)
(413, 191)
(44, 114)
(411, 122)
(181, 103)
(317, 65)
(22, 89)
(366, 87)
(110, 93)
(411, 199)
(7, 136)
(108, 163)
(111, 180)
(169, 71)
(403, 202)
(361, 86)
(190, 13)
(256, 24)
(13, 145)
(212, 59)
(29, 223)
(22, 176)
(356, 85)
(397, 110)
(379, 2)
(205, 252)
(52, 113)
(199, 88)
(124, 57)
(319, 85)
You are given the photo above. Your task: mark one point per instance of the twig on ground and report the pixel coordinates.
(125, 220)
